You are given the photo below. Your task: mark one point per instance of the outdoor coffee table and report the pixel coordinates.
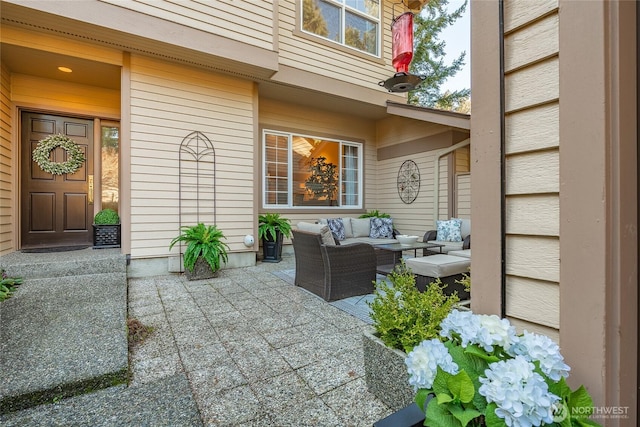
(397, 250)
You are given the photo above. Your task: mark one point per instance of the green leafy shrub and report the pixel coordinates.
(375, 214)
(402, 315)
(8, 285)
(106, 217)
(270, 223)
(202, 241)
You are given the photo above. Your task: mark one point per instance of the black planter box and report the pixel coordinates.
(106, 236)
(272, 251)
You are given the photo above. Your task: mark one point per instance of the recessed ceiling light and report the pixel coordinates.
(65, 69)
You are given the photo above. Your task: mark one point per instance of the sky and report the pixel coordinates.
(457, 38)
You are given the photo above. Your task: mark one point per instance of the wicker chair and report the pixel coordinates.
(333, 272)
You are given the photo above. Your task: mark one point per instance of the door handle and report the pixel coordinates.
(90, 190)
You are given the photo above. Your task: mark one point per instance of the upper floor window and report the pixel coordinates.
(304, 171)
(353, 23)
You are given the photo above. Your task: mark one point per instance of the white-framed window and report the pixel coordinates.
(353, 23)
(306, 171)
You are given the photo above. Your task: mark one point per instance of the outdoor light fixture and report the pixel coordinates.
(65, 69)
(402, 49)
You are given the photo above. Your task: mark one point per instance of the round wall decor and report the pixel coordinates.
(408, 181)
(75, 156)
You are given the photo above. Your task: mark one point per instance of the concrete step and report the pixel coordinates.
(59, 264)
(65, 335)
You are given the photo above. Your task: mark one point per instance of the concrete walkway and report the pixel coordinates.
(246, 348)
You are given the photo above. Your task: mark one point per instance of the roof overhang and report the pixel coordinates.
(442, 117)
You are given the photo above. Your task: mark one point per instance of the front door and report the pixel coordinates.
(56, 210)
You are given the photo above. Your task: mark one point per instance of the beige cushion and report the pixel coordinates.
(361, 227)
(323, 230)
(438, 265)
(348, 230)
(465, 253)
(369, 240)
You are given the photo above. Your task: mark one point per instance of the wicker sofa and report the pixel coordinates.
(333, 272)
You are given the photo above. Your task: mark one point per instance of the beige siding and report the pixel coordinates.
(8, 159)
(532, 129)
(415, 218)
(280, 116)
(463, 196)
(250, 22)
(532, 164)
(534, 301)
(56, 95)
(316, 55)
(168, 102)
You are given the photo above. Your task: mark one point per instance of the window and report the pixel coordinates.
(110, 167)
(353, 23)
(307, 171)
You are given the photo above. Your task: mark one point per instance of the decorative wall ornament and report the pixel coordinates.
(408, 181)
(75, 156)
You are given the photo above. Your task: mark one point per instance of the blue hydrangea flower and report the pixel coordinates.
(522, 395)
(486, 331)
(535, 347)
(461, 326)
(423, 361)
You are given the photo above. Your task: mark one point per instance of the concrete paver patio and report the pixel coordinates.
(255, 349)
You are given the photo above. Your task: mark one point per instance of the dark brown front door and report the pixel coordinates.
(56, 210)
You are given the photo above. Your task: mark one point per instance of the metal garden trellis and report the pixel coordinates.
(197, 182)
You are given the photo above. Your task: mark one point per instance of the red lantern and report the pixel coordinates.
(402, 33)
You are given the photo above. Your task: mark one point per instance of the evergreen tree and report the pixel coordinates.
(428, 58)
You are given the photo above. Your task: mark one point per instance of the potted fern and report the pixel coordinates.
(205, 250)
(106, 229)
(272, 229)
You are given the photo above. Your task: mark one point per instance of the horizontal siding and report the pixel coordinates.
(534, 301)
(531, 43)
(523, 325)
(463, 194)
(521, 12)
(415, 218)
(276, 115)
(533, 129)
(250, 22)
(533, 173)
(316, 56)
(168, 102)
(534, 85)
(8, 176)
(533, 257)
(536, 215)
(532, 217)
(56, 95)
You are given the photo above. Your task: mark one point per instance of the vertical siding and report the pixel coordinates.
(8, 157)
(168, 102)
(250, 22)
(532, 164)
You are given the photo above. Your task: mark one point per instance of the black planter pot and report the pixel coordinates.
(411, 416)
(272, 250)
(106, 236)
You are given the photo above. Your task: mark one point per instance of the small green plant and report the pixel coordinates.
(106, 217)
(375, 214)
(270, 223)
(202, 241)
(402, 315)
(8, 285)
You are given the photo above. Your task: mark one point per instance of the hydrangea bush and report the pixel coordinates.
(483, 374)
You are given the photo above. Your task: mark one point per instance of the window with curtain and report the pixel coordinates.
(307, 171)
(353, 23)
